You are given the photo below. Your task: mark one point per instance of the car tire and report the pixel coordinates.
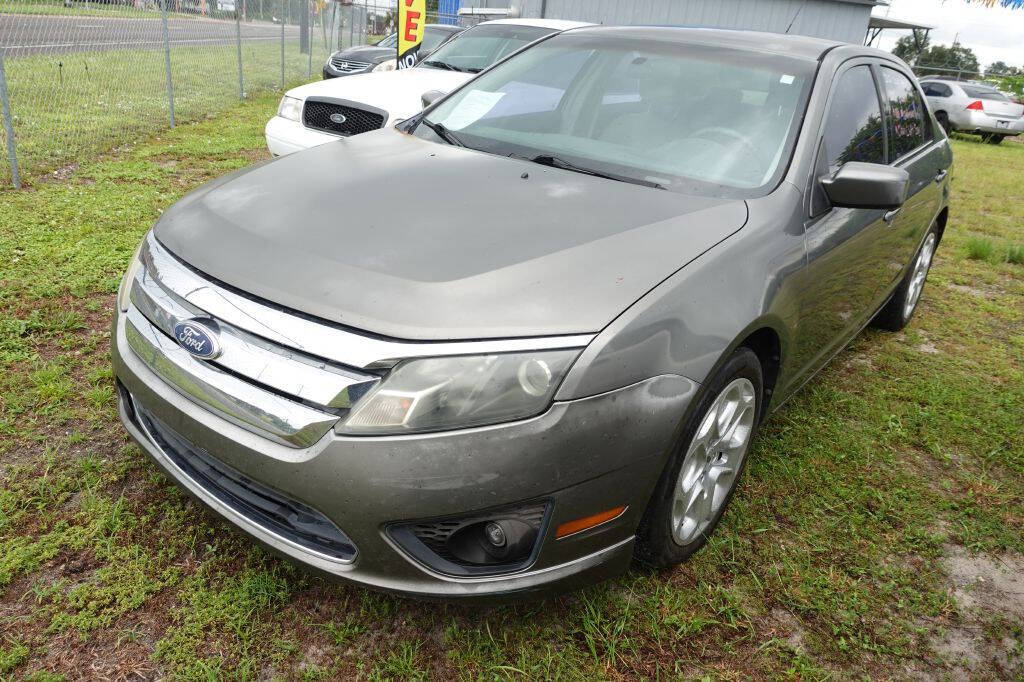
(691, 495)
(895, 314)
(943, 118)
(993, 139)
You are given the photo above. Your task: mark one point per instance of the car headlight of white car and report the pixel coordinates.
(290, 108)
(389, 65)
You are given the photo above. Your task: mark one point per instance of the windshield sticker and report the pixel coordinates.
(472, 108)
(786, 80)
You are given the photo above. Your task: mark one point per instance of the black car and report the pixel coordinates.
(366, 58)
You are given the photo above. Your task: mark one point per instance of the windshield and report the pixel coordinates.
(390, 41)
(476, 48)
(697, 119)
(984, 93)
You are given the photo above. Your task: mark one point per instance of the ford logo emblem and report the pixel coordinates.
(199, 340)
(338, 118)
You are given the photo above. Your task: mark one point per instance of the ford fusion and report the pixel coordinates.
(602, 263)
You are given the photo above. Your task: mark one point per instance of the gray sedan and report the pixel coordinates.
(603, 263)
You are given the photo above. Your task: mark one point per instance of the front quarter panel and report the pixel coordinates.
(693, 319)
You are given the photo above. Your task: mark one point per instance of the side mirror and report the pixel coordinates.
(431, 96)
(867, 185)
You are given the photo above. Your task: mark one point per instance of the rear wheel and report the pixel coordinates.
(900, 308)
(697, 484)
(992, 138)
(943, 120)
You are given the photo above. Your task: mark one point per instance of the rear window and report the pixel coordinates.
(984, 93)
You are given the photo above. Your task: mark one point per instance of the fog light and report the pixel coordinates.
(500, 541)
(487, 542)
(495, 535)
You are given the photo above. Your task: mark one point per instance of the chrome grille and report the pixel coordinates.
(257, 383)
(347, 65)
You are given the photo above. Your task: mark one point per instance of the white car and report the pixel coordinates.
(320, 112)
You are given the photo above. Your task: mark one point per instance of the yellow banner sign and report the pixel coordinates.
(412, 15)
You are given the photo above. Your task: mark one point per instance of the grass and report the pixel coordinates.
(836, 559)
(66, 107)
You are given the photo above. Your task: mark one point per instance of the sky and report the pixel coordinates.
(994, 33)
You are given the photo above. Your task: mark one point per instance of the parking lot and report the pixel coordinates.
(877, 531)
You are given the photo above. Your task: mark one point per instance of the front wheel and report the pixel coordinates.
(895, 315)
(993, 138)
(699, 480)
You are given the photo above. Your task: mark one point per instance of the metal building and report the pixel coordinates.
(845, 20)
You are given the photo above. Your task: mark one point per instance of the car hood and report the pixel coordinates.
(366, 53)
(411, 239)
(396, 92)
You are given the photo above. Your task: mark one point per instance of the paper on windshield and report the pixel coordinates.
(472, 108)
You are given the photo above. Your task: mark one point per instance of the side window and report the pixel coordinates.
(853, 131)
(936, 90)
(907, 129)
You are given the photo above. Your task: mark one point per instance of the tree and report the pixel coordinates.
(1001, 69)
(910, 46)
(948, 60)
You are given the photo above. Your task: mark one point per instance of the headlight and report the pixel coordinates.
(434, 394)
(389, 65)
(290, 108)
(125, 290)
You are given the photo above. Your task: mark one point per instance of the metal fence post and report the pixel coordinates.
(309, 52)
(238, 44)
(5, 105)
(282, 52)
(167, 63)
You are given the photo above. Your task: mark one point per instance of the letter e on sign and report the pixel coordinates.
(411, 14)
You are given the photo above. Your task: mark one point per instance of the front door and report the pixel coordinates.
(846, 262)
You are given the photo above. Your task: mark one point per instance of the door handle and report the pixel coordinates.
(941, 175)
(889, 215)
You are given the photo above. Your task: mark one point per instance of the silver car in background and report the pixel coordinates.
(974, 108)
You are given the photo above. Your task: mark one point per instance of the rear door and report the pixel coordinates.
(846, 263)
(918, 148)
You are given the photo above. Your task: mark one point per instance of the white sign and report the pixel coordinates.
(472, 108)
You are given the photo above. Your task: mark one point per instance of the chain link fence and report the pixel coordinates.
(78, 77)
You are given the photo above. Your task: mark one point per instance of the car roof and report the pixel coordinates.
(793, 45)
(557, 24)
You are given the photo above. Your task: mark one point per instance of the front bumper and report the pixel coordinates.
(285, 136)
(970, 121)
(581, 456)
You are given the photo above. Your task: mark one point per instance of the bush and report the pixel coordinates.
(1015, 254)
(980, 248)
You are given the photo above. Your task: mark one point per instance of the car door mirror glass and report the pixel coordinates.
(867, 185)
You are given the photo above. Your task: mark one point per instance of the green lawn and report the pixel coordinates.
(67, 107)
(878, 530)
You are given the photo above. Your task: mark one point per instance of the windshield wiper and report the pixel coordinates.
(555, 162)
(442, 132)
(441, 65)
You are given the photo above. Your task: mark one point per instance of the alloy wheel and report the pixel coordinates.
(920, 273)
(713, 460)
